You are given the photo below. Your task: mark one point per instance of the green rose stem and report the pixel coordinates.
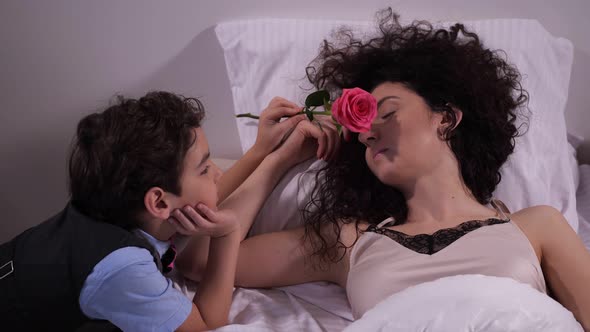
(252, 116)
(247, 115)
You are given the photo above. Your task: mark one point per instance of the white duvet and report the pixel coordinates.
(468, 303)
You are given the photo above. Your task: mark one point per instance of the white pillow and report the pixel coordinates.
(282, 209)
(268, 57)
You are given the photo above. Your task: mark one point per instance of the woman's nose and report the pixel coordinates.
(367, 138)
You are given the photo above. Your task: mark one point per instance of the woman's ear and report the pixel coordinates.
(449, 120)
(156, 203)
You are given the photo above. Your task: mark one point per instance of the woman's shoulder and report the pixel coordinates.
(539, 215)
(540, 223)
(350, 231)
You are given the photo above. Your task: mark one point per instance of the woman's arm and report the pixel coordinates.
(274, 260)
(565, 261)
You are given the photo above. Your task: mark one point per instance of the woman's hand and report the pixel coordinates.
(215, 224)
(327, 125)
(319, 138)
(271, 130)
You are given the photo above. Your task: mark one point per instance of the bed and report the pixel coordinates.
(266, 57)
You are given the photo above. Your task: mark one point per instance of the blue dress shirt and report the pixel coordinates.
(127, 289)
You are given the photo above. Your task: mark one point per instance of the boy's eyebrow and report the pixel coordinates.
(384, 99)
(205, 157)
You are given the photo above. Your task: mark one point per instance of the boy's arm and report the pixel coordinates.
(305, 141)
(243, 167)
(245, 201)
(213, 298)
(271, 133)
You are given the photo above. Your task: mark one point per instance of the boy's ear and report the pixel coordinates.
(157, 204)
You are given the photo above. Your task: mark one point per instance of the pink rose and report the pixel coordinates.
(355, 110)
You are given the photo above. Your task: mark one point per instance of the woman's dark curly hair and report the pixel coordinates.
(119, 154)
(447, 68)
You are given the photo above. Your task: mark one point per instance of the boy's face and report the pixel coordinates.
(199, 177)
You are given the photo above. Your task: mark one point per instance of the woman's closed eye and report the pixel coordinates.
(206, 170)
(387, 115)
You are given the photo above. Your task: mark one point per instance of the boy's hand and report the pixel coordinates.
(211, 223)
(271, 131)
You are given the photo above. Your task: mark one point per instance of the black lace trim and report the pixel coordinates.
(430, 244)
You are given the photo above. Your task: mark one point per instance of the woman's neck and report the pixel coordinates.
(441, 197)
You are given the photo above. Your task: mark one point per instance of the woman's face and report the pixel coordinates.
(403, 143)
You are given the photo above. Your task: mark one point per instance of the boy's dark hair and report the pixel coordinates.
(119, 154)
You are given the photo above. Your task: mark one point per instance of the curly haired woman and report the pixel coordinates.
(410, 200)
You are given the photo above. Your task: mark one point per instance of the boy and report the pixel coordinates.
(105, 255)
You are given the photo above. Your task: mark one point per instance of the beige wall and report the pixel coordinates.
(62, 59)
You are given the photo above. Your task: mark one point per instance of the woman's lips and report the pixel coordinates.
(379, 152)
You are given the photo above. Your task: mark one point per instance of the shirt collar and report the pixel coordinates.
(160, 246)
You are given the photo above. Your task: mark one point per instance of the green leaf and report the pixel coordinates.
(317, 98)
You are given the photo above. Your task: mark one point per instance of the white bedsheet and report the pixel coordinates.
(279, 310)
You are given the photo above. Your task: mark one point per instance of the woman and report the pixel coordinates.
(419, 182)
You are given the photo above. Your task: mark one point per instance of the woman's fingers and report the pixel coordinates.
(310, 130)
(333, 138)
